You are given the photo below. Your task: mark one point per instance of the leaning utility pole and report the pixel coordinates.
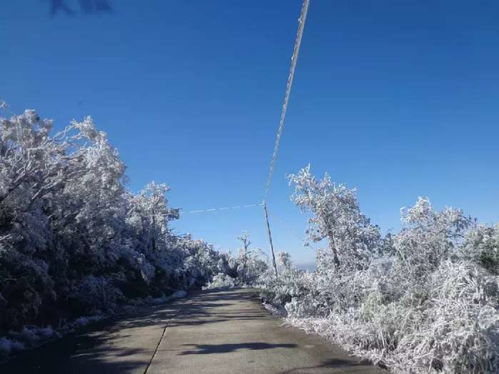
(270, 237)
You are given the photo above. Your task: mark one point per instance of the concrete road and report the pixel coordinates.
(211, 332)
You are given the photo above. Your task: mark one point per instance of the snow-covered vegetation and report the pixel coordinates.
(75, 245)
(73, 241)
(423, 300)
(242, 270)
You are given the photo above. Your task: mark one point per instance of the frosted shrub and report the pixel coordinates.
(32, 335)
(97, 294)
(242, 270)
(8, 346)
(482, 247)
(221, 281)
(290, 285)
(459, 326)
(304, 298)
(423, 300)
(248, 265)
(29, 337)
(428, 237)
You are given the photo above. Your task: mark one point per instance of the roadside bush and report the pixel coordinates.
(242, 270)
(95, 295)
(423, 300)
(221, 281)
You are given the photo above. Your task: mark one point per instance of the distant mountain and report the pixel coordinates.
(308, 266)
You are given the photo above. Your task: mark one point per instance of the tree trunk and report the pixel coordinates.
(333, 249)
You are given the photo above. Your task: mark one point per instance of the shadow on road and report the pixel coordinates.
(80, 353)
(201, 349)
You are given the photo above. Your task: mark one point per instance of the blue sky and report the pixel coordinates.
(399, 99)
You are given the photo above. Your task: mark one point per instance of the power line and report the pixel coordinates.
(211, 210)
(289, 85)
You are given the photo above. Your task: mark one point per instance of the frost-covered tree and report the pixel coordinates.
(429, 237)
(150, 214)
(481, 245)
(249, 263)
(73, 240)
(243, 269)
(336, 216)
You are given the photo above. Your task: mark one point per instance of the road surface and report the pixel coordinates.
(213, 332)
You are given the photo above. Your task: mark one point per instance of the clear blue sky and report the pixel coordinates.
(397, 98)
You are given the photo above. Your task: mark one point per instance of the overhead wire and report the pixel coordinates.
(211, 210)
(289, 85)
